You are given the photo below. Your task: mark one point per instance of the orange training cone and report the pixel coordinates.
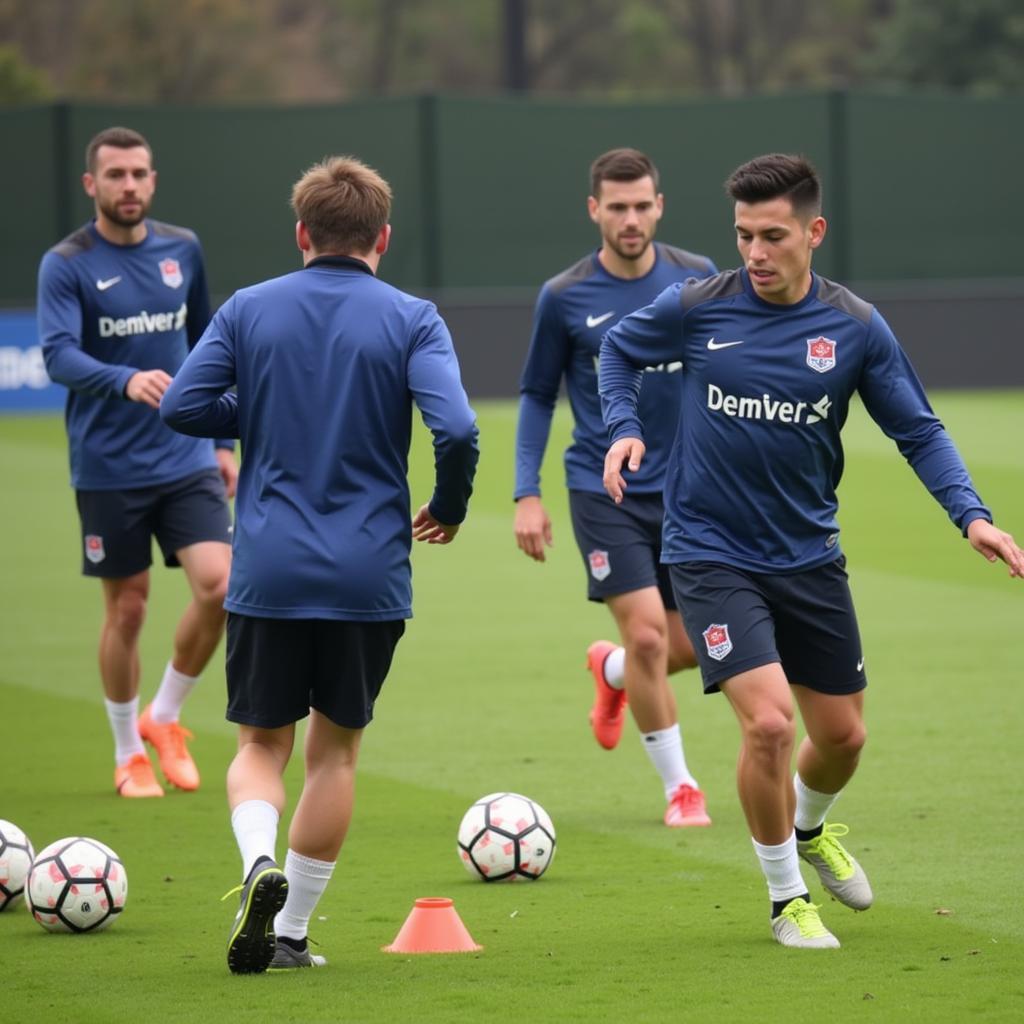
(433, 926)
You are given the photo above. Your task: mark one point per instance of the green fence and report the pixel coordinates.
(490, 193)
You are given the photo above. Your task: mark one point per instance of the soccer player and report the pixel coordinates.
(772, 355)
(620, 545)
(120, 302)
(316, 372)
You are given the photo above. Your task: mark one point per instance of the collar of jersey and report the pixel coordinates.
(775, 307)
(342, 262)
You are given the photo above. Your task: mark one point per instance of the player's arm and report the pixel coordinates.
(198, 401)
(647, 337)
(436, 386)
(545, 364)
(896, 401)
(59, 313)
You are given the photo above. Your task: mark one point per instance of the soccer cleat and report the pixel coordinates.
(168, 739)
(135, 778)
(287, 958)
(838, 871)
(608, 714)
(800, 926)
(686, 807)
(252, 945)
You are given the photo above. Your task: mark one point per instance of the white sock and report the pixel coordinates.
(307, 880)
(254, 823)
(615, 669)
(665, 749)
(124, 724)
(811, 806)
(781, 868)
(174, 688)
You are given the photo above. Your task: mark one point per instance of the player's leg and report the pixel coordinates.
(268, 672)
(645, 629)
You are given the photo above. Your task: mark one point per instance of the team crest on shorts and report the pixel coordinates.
(94, 548)
(600, 567)
(716, 637)
(170, 271)
(821, 354)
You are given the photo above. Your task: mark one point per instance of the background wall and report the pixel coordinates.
(490, 201)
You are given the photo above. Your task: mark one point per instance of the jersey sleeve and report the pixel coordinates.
(546, 361)
(198, 401)
(436, 387)
(895, 400)
(650, 336)
(59, 315)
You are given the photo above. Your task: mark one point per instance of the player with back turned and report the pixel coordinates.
(120, 302)
(620, 546)
(317, 372)
(772, 355)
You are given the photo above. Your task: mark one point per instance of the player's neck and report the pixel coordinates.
(627, 269)
(120, 234)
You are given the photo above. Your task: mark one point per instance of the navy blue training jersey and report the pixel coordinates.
(573, 311)
(327, 363)
(106, 312)
(766, 391)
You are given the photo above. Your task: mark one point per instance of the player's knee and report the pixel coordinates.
(210, 593)
(647, 642)
(127, 612)
(770, 733)
(850, 742)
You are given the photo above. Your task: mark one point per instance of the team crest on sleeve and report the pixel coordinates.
(716, 638)
(94, 548)
(821, 354)
(170, 271)
(600, 567)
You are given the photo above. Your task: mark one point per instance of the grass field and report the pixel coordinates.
(633, 922)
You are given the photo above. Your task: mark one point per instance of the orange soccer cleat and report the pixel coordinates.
(609, 711)
(135, 778)
(169, 742)
(686, 807)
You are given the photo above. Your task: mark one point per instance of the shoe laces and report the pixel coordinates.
(139, 768)
(805, 916)
(687, 796)
(177, 734)
(232, 892)
(831, 851)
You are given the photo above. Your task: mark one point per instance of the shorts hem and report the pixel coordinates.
(261, 722)
(713, 684)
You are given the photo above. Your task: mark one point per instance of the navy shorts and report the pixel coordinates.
(118, 526)
(739, 620)
(620, 544)
(278, 669)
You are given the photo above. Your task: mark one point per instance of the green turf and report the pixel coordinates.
(634, 922)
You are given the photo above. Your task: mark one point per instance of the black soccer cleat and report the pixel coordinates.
(252, 943)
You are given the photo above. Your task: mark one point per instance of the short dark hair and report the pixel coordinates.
(621, 165)
(121, 138)
(343, 203)
(777, 176)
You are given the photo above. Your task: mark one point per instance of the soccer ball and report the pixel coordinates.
(506, 837)
(15, 861)
(76, 885)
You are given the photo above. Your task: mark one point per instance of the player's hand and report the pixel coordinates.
(532, 527)
(426, 527)
(228, 466)
(147, 386)
(628, 452)
(994, 544)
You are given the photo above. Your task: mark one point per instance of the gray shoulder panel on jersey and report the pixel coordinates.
(720, 286)
(172, 231)
(843, 299)
(77, 242)
(684, 258)
(579, 271)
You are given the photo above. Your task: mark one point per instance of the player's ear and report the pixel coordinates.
(302, 239)
(383, 240)
(592, 208)
(816, 231)
(89, 184)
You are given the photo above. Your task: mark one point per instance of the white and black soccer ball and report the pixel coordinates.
(15, 863)
(76, 885)
(506, 837)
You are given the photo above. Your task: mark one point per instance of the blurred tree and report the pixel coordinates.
(19, 81)
(977, 47)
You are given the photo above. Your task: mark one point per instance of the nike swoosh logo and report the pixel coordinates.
(593, 321)
(108, 283)
(714, 346)
(860, 665)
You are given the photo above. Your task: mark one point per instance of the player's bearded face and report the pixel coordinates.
(627, 214)
(122, 184)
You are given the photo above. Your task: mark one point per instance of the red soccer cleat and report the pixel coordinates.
(169, 742)
(686, 807)
(135, 778)
(608, 714)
